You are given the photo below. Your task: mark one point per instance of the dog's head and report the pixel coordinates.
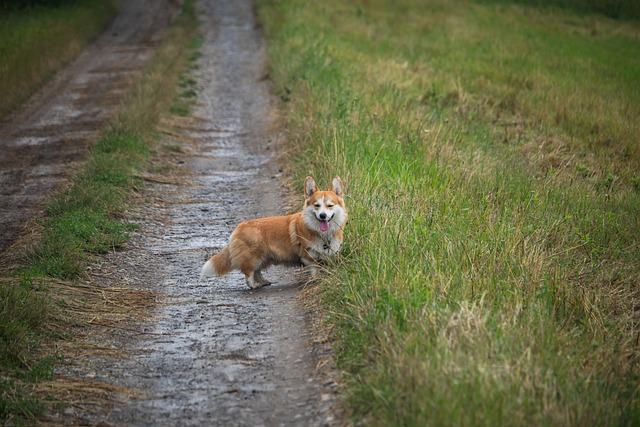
(324, 211)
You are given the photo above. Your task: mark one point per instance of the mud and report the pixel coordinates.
(215, 352)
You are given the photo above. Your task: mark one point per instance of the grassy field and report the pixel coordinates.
(490, 150)
(86, 220)
(36, 42)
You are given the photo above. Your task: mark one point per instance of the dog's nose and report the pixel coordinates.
(323, 215)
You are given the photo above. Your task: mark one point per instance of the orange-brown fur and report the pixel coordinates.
(291, 239)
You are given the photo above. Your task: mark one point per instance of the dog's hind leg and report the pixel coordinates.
(250, 267)
(255, 279)
(251, 281)
(257, 275)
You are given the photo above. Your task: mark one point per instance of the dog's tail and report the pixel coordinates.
(219, 264)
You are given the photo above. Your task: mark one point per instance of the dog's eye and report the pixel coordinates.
(329, 205)
(317, 205)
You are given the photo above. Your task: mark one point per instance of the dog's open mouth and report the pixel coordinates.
(324, 225)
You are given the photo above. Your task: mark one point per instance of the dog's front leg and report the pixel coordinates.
(310, 265)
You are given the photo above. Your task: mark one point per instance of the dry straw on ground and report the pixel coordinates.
(90, 313)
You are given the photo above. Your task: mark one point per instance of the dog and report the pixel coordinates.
(305, 238)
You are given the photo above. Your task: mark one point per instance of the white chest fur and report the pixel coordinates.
(324, 248)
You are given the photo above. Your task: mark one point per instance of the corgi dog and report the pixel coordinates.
(304, 238)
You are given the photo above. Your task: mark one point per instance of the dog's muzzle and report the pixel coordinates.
(324, 219)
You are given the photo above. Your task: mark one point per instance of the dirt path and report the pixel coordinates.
(216, 352)
(42, 142)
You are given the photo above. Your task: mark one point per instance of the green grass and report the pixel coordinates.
(620, 9)
(187, 93)
(489, 274)
(87, 219)
(36, 42)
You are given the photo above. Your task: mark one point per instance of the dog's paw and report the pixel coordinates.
(258, 285)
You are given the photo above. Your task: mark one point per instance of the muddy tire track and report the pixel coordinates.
(217, 352)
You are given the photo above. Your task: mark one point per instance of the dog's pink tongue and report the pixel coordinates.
(324, 225)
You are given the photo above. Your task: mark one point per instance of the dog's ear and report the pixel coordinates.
(337, 186)
(310, 187)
